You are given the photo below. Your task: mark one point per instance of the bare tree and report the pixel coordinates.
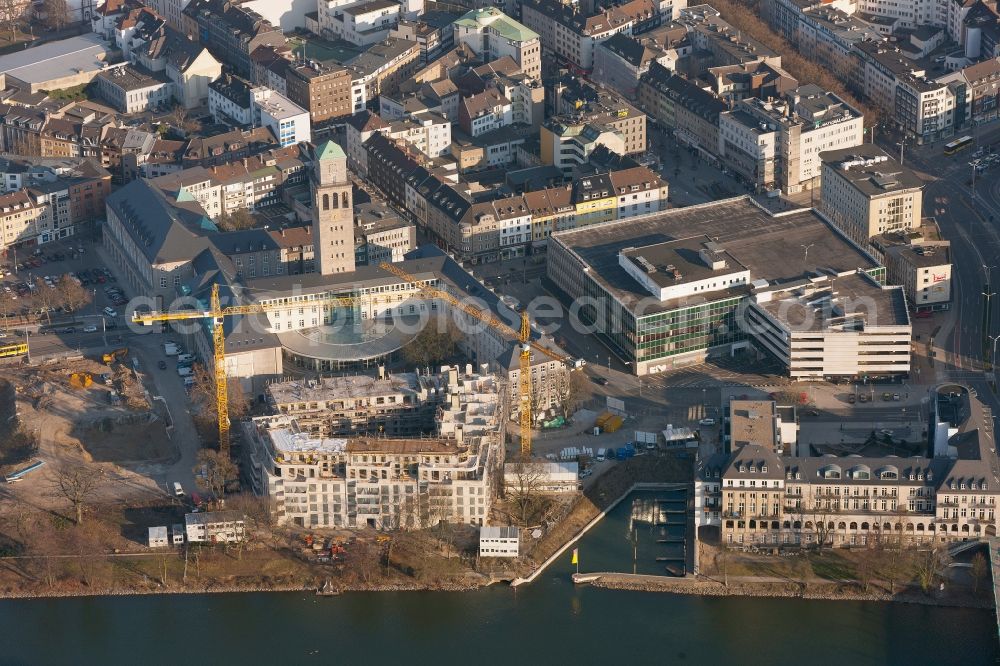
(204, 397)
(524, 488)
(77, 485)
(930, 566)
(576, 392)
(240, 218)
(72, 295)
(56, 14)
(867, 564)
(437, 342)
(11, 13)
(215, 471)
(980, 567)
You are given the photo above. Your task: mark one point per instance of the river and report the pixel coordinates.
(550, 621)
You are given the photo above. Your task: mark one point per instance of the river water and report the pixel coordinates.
(548, 622)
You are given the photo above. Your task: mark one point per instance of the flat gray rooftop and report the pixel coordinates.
(56, 60)
(827, 304)
(683, 256)
(773, 248)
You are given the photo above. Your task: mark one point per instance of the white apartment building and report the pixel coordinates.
(369, 22)
(867, 193)
(778, 144)
(289, 121)
(485, 112)
(130, 90)
(832, 326)
(387, 483)
(639, 191)
(430, 133)
(229, 100)
(491, 34)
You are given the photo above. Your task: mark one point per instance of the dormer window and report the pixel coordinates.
(753, 469)
(763, 468)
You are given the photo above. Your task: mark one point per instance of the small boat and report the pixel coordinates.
(675, 570)
(327, 590)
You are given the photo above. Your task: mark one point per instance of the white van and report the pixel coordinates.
(600, 455)
(707, 422)
(178, 491)
(184, 371)
(185, 358)
(170, 349)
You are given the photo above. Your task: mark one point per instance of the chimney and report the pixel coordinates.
(282, 232)
(309, 231)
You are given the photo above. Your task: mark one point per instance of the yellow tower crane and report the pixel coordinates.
(218, 314)
(523, 337)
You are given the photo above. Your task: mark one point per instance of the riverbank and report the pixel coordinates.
(773, 589)
(308, 588)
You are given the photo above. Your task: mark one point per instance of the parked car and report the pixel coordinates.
(110, 312)
(89, 328)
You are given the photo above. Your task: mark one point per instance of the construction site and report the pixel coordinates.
(88, 413)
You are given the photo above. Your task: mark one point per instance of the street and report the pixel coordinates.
(968, 221)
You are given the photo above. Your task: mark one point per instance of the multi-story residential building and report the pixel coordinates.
(621, 60)
(640, 192)
(846, 325)
(130, 90)
(289, 121)
(756, 497)
(866, 193)
(761, 80)
(22, 218)
(921, 266)
(249, 183)
(484, 112)
(227, 147)
(367, 22)
(401, 404)
(229, 100)
(549, 377)
(673, 302)
(381, 69)
(491, 34)
(777, 144)
(231, 31)
(724, 44)
(85, 181)
(677, 103)
(389, 483)
(433, 31)
(381, 235)
(923, 108)
(358, 129)
(977, 92)
(322, 88)
(573, 35)
(578, 102)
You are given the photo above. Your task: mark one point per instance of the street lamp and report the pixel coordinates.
(993, 339)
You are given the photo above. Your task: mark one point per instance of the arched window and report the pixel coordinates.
(326, 202)
(774, 524)
(841, 526)
(343, 200)
(920, 527)
(909, 527)
(887, 527)
(335, 202)
(854, 526)
(786, 525)
(899, 527)
(797, 525)
(864, 526)
(829, 525)
(965, 528)
(809, 525)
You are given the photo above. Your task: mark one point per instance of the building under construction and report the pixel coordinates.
(320, 480)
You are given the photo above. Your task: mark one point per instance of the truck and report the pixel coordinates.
(600, 455)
